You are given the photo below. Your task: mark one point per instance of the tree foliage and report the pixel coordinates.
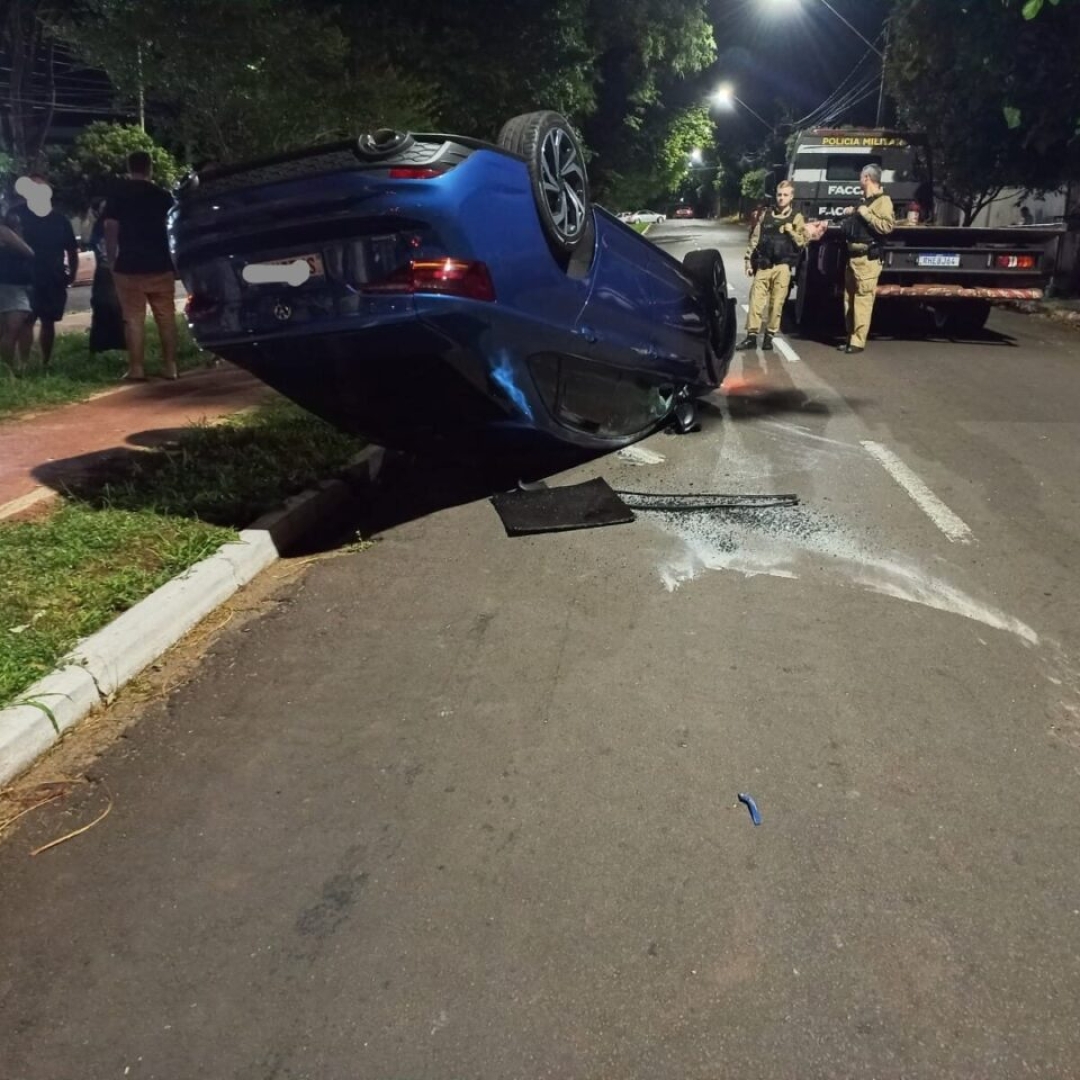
(483, 61)
(29, 50)
(999, 93)
(753, 184)
(232, 80)
(99, 156)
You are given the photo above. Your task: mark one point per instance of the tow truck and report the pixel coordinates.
(955, 273)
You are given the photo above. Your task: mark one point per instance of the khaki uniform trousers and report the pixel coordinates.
(860, 282)
(769, 290)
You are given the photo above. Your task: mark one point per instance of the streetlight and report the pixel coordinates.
(725, 97)
(862, 37)
(695, 155)
(866, 41)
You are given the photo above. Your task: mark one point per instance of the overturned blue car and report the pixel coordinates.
(431, 291)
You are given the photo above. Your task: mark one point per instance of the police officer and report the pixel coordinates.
(864, 226)
(776, 242)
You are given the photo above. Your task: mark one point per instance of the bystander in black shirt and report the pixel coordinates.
(142, 209)
(49, 237)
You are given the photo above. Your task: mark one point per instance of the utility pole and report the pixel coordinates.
(879, 122)
(142, 96)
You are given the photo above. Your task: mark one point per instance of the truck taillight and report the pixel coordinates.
(455, 277)
(1015, 262)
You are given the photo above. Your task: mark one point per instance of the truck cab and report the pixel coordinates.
(826, 165)
(953, 273)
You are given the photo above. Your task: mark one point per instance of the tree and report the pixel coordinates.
(687, 130)
(998, 94)
(1033, 7)
(99, 156)
(30, 49)
(227, 80)
(753, 184)
(483, 60)
(234, 80)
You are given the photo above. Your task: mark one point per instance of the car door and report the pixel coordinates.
(609, 385)
(679, 321)
(615, 325)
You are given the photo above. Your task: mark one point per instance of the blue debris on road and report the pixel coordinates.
(748, 800)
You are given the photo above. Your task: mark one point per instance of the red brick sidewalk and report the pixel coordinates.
(39, 453)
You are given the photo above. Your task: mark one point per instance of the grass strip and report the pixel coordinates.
(145, 518)
(75, 373)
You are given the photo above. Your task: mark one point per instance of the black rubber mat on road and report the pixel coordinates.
(579, 506)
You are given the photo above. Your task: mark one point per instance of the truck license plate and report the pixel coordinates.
(937, 259)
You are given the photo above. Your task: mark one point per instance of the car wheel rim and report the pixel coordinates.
(562, 180)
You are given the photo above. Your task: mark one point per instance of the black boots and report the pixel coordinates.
(750, 342)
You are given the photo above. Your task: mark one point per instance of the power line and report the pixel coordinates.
(37, 105)
(834, 96)
(867, 93)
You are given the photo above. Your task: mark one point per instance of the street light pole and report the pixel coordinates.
(724, 95)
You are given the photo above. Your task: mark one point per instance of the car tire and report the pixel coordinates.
(556, 165)
(706, 269)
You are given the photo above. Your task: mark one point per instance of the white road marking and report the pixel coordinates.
(803, 433)
(951, 525)
(785, 350)
(639, 455)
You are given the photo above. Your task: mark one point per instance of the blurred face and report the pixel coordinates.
(784, 196)
(36, 192)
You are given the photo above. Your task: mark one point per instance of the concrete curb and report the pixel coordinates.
(98, 666)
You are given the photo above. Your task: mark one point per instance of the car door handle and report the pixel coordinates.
(589, 334)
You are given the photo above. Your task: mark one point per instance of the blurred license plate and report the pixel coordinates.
(937, 259)
(314, 261)
(270, 271)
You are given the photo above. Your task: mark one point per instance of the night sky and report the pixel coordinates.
(791, 55)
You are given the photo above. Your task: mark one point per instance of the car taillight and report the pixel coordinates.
(410, 172)
(198, 304)
(1015, 262)
(456, 277)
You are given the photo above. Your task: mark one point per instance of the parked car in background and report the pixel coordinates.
(683, 212)
(440, 293)
(84, 274)
(646, 217)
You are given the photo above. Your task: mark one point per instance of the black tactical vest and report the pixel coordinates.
(856, 231)
(774, 247)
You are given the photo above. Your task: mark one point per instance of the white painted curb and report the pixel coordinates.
(99, 665)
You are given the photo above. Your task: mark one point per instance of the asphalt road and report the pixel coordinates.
(466, 806)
